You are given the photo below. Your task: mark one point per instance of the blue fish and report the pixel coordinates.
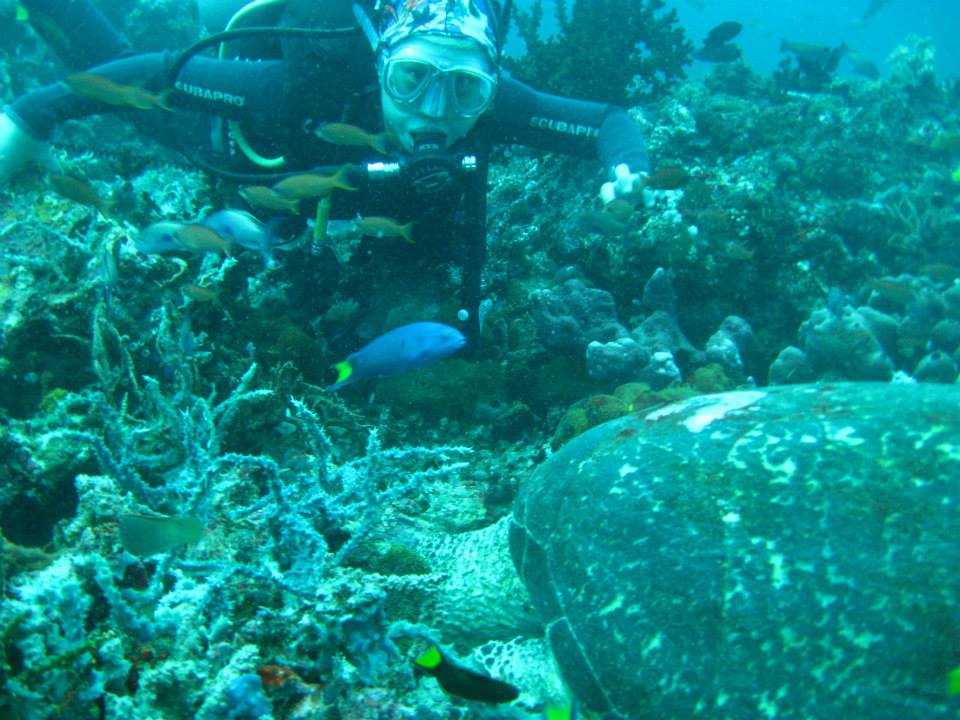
(246, 231)
(404, 348)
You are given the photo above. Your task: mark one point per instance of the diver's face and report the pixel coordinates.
(437, 86)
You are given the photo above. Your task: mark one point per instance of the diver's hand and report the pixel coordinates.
(624, 183)
(17, 148)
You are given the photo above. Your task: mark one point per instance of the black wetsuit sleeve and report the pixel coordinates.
(77, 31)
(576, 127)
(234, 89)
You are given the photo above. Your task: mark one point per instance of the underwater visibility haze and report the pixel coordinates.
(610, 376)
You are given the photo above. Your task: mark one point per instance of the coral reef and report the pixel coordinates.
(814, 240)
(907, 327)
(642, 55)
(580, 319)
(573, 315)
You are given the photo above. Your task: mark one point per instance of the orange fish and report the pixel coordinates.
(310, 185)
(80, 191)
(96, 87)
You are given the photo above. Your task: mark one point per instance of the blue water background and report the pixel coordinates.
(817, 21)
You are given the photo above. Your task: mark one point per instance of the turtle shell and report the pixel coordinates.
(786, 552)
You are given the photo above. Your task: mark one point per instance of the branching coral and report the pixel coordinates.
(607, 50)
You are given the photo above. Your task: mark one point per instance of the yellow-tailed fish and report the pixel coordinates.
(47, 28)
(311, 185)
(344, 134)
(461, 681)
(200, 239)
(101, 89)
(143, 535)
(377, 226)
(267, 197)
(78, 190)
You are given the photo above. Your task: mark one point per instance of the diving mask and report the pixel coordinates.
(436, 90)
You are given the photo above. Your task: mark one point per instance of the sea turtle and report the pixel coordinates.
(785, 552)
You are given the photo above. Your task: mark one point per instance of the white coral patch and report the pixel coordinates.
(708, 408)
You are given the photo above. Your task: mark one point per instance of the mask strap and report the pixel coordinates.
(363, 20)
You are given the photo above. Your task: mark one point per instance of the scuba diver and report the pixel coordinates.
(425, 73)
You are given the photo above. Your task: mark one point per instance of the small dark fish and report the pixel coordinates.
(620, 208)
(17, 559)
(201, 294)
(812, 52)
(407, 347)
(80, 191)
(737, 251)
(143, 535)
(723, 32)
(862, 65)
(600, 222)
(96, 87)
(723, 53)
(873, 8)
(670, 177)
(461, 681)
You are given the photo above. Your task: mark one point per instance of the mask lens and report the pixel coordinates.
(472, 92)
(406, 79)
